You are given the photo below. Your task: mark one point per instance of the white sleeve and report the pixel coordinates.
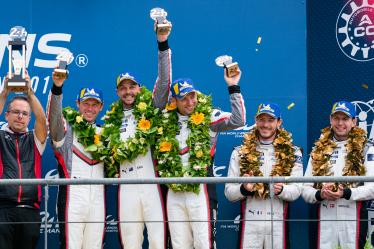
(232, 190)
(365, 192)
(292, 191)
(39, 145)
(308, 191)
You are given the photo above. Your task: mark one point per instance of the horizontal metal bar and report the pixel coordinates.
(115, 181)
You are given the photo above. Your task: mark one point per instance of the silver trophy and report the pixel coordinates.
(17, 59)
(64, 58)
(225, 61)
(159, 15)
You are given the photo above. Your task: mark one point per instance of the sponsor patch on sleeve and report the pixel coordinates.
(298, 159)
(370, 157)
(217, 114)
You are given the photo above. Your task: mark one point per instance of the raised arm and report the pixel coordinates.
(40, 126)
(54, 111)
(4, 94)
(163, 81)
(227, 121)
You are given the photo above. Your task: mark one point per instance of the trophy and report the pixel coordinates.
(17, 59)
(64, 58)
(225, 61)
(159, 15)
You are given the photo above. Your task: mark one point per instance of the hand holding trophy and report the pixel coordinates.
(64, 58)
(225, 61)
(17, 60)
(163, 26)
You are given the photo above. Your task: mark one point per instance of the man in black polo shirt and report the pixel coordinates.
(20, 158)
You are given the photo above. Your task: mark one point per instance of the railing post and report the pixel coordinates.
(271, 193)
(46, 197)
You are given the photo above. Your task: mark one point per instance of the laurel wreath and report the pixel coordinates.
(354, 161)
(169, 162)
(115, 150)
(250, 158)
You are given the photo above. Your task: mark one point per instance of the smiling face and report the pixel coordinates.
(187, 105)
(127, 91)
(18, 115)
(267, 126)
(341, 124)
(89, 109)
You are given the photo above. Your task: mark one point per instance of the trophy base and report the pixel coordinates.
(232, 69)
(17, 86)
(163, 29)
(61, 73)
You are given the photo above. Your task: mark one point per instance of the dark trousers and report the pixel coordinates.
(22, 235)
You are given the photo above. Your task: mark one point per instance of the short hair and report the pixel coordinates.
(23, 98)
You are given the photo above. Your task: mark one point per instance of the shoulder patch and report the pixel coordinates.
(370, 157)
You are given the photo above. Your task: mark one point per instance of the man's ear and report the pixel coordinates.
(354, 121)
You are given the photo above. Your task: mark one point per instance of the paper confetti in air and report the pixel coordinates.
(290, 105)
(366, 86)
(259, 40)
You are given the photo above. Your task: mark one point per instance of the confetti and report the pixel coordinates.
(259, 40)
(290, 105)
(366, 86)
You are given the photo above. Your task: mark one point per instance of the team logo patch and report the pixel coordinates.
(355, 30)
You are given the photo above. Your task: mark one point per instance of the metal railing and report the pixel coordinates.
(180, 180)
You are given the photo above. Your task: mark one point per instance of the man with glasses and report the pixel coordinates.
(20, 158)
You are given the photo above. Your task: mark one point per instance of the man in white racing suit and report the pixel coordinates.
(263, 220)
(192, 216)
(80, 207)
(142, 204)
(341, 206)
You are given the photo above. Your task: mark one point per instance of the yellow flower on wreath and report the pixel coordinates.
(97, 139)
(111, 111)
(142, 106)
(171, 106)
(197, 118)
(165, 146)
(199, 153)
(78, 119)
(144, 124)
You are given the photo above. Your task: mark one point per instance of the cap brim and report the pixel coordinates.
(345, 112)
(130, 80)
(268, 113)
(95, 98)
(190, 91)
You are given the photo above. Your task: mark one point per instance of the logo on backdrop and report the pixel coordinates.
(238, 132)
(52, 223)
(365, 116)
(355, 30)
(41, 53)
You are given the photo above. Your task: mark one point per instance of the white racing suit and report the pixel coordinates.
(77, 204)
(340, 222)
(256, 215)
(143, 203)
(192, 216)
